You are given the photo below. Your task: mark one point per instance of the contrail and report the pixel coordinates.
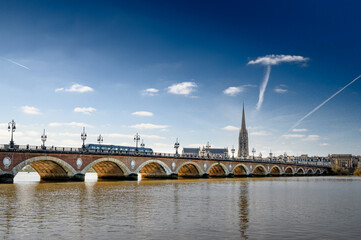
(316, 108)
(9, 60)
(262, 89)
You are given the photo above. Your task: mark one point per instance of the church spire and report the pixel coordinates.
(243, 151)
(243, 119)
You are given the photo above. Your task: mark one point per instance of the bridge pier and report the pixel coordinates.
(205, 175)
(79, 177)
(6, 178)
(132, 177)
(173, 176)
(231, 175)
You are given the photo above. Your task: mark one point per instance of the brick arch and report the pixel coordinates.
(273, 173)
(318, 171)
(108, 168)
(288, 173)
(299, 170)
(154, 169)
(310, 172)
(216, 169)
(49, 168)
(189, 169)
(237, 170)
(260, 173)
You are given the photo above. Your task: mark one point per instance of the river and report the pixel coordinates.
(238, 208)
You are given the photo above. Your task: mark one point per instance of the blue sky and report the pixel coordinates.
(169, 69)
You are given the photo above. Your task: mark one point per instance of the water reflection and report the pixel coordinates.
(243, 209)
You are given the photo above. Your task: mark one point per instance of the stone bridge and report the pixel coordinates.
(72, 166)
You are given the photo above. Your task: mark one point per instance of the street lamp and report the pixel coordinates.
(253, 151)
(233, 151)
(136, 140)
(83, 136)
(208, 146)
(270, 155)
(43, 139)
(100, 139)
(142, 145)
(12, 128)
(176, 146)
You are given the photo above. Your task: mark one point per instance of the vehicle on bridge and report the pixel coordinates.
(127, 149)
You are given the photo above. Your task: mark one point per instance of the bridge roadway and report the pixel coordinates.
(71, 164)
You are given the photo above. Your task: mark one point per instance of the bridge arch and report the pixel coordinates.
(318, 171)
(154, 169)
(240, 170)
(310, 172)
(260, 170)
(275, 171)
(289, 171)
(300, 171)
(217, 170)
(108, 168)
(189, 169)
(49, 168)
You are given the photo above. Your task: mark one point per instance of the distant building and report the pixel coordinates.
(342, 160)
(206, 152)
(243, 151)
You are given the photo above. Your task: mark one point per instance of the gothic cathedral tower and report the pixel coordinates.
(243, 139)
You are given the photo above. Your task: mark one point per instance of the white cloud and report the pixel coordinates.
(72, 124)
(323, 144)
(143, 114)
(59, 89)
(150, 92)
(233, 91)
(277, 59)
(30, 110)
(145, 136)
(230, 128)
(32, 133)
(85, 110)
(288, 136)
(299, 130)
(148, 126)
(268, 61)
(281, 89)
(184, 88)
(76, 88)
(260, 133)
(311, 138)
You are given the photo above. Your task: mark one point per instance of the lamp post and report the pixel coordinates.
(12, 128)
(253, 151)
(136, 140)
(208, 146)
(233, 151)
(100, 139)
(83, 136)
(43, 139)
(176, 146)
(142, 145)
(270, 155)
